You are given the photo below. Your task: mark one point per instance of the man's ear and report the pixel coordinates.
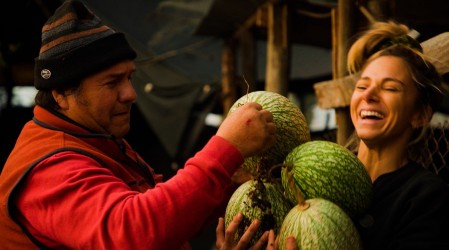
(60, 99)
(422, 117)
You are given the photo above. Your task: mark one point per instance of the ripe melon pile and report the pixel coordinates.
(320, 187)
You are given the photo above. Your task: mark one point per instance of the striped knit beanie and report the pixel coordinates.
(75, 44)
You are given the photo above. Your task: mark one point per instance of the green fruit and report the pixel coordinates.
(324, 169)
(256, 199)
(291, 130)
(319, 224)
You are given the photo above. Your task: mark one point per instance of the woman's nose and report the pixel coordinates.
(371, 94)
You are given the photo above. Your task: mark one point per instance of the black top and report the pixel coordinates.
(410, 210)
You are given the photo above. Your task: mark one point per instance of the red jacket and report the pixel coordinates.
(68, 188)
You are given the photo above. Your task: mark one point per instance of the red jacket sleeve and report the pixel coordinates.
(70, 200)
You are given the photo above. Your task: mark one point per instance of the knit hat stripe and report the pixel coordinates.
(56, 29)
(60, 21)
(73, 40)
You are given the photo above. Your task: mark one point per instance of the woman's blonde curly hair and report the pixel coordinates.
(392, 39)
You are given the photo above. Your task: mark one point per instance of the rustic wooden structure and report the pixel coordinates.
(270, 20)
(280, 23)
(273, 15)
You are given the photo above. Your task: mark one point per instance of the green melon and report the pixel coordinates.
(257, 199)
(324, 169)
(319, 224)
(291, 129)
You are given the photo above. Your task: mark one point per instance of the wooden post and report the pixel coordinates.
(342, 28)
(278, 48)
(249, 61)
(228, 75)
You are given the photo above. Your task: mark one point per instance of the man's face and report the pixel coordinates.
(103, 102)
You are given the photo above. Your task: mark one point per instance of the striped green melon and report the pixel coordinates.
(319, 224)
(257, 199)
(291, 129)
(327, 170)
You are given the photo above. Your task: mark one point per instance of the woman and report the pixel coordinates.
(394, 99)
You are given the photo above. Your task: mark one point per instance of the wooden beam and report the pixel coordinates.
(228, 75)
(248, 57)
(278, 48)
(343, 21)
(258, 19)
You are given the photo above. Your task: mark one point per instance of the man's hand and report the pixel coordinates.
(249, 128)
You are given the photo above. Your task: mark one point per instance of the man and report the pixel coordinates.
(72, 181)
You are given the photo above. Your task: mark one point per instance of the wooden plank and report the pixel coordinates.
(335, 93)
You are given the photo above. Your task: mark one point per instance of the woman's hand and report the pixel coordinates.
(226, 239)
(273, 242)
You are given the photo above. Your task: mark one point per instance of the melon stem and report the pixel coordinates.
(298, 195)
(303, 206)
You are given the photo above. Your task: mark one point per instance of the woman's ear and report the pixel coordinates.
(422, 117)
(60, 99)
